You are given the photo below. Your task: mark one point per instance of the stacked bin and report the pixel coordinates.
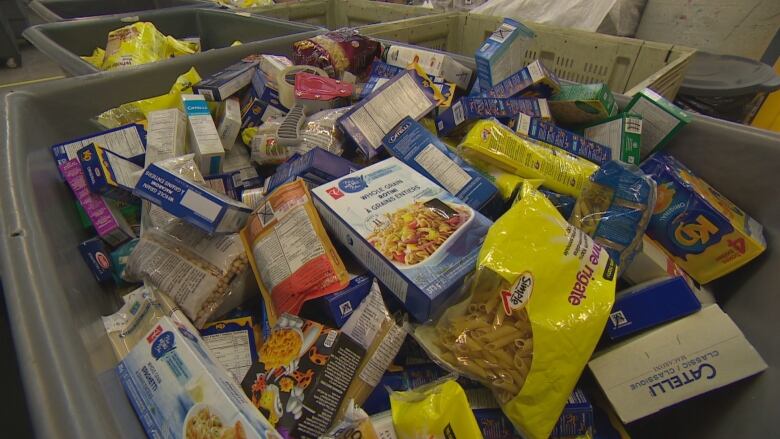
(51, 11)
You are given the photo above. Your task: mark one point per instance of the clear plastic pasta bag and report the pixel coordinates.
(530, 316)
(615, 208)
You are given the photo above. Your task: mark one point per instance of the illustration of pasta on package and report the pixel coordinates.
(531, 314)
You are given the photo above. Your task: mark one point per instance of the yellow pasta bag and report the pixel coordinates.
(438, 410)
(140, 43)
(96, 59)
(136, 111)
(533, 312)
(490, 141)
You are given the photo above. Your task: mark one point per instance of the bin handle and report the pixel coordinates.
(771, 85)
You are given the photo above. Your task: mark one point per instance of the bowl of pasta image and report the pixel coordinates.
(420, 233)
(204, 421)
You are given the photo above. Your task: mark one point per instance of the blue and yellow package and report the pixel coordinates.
(706, 234)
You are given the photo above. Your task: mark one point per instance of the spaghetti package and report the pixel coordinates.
(96, 59)
(531, 314)
(141, 43)
(439, 410)
(291, 255)
(562, 172)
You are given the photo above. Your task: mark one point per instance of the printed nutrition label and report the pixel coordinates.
(656, 124)
(443, 169)
(376, 366)
(397, 100)
(124, 142)
(608, 134)
(232, 350)
(126, 172)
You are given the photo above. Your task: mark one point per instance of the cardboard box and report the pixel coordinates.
(436, 64)
(108, 174)
(95, 254)
(706, 234)
(170, 377)
(661, 119)
(167, 136)
(404, 95)
(355, 206)
(260, 102)
(469, 109)
(650, 264)
(340, 305)
(383, 425)
(128, 141)
(675, 362)
(229, 122)
(272, 65)
(316, 167)
(577, 104)
(204, 138)
(421, 150)
(502, 53)
(212, 212)
(533, 80)
(577, 417)
(537, 129)
(107, 220)
(650, 304)
(622, 134)
(232, 341)
(222, 184)
(227, 81)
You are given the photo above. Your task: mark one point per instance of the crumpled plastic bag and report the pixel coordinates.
(96, 59)
(141, 43)
(577, 14)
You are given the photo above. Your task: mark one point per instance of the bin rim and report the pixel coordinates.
(48, 16)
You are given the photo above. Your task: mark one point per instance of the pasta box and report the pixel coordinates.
(436, 64)
(533, 80)
(128, 141)
(621, 133)
(316, 167)
(260, 101)
(228, 81)
(107, 173)
(501, 54)
(417, 147)
(547, 132)
(95, 254)
(675, 362)
(232, 341)
(469, 109)
(661, 119)
(577, 104)
(179, 390)
(340, 305)
(418, 239)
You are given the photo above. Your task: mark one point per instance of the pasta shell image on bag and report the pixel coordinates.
(530, 316)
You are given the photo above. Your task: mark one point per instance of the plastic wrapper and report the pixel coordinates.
(321, 130)
(291, 255)
(96, 59)
(137, 111)
(337, 52)
(436, 410)
(615, 208)
(141, 43)
(354, 424)
(531, 314)
(562, 172)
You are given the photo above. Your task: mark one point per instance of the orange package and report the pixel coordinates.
(290, 253)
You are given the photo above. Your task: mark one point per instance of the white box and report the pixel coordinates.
(229, 122)
(675, 362)
(435, 64)
(204, 138)
(166, 135)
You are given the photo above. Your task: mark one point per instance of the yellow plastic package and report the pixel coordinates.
(438, 410)
(136, 111)
(531, 315)
(141, 43)
(490, 141)
(96, 59)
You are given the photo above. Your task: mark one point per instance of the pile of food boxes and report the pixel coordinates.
(375, 237)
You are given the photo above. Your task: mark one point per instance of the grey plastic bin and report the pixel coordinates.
(55, 305)
(64, 42)
(51, 11)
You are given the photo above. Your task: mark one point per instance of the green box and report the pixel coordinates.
(580, 104)
(621, 133)
(661, 119)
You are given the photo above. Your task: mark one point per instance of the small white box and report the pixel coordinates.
(229, 122)
(675, 362)
(166, 135)
(204, 138)
(436, 64)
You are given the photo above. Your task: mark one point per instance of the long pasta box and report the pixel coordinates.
(368, 121)
(260, 102)
(229, 122)
(232, 341)
(621, 133)
(316, 167)
(340, 305)
(179, 390)
(502, 53)
(417, 147)
(108, 174)
(578, 104)
(204, 138)
(661, 119)
(167, 135)
(468, 109)
(96, 255)
(533, 80)
(228, 81)
(437, 64)
(209, 210)
(106, 219)
(127, 141)
(272, 65)
(649, 304)
(675, 362)
(538, 129)
(369, 210)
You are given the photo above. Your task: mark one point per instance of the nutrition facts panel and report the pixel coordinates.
(232, 350)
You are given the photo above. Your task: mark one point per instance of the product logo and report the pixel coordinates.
(86, 155)
(163, 345)
(334, 192)
(516, 297)
(706, 371)
(157, 331)
(619, 319)
(352, 184)
(102, 260)
(400, 131)
(694, 231)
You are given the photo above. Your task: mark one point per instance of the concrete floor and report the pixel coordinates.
(35, 67)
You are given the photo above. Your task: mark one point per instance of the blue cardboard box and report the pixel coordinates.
(316, 167)
(339, 305)
(533, 80)
(469, 109)
(502, 53)
(107, 173)
(547, 132)
(212, 212)
(649, 304)
(414, 145)
(96, 255)
(128, 141)
(228, 81)
(260, 102)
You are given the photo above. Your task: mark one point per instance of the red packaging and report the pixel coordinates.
(337, 52)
